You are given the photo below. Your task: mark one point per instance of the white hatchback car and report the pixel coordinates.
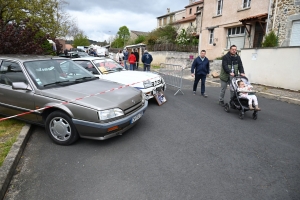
(108, 69)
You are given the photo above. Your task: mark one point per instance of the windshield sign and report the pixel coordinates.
(107, 66)
(55, 73)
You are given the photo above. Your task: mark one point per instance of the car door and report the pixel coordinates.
(14, 102)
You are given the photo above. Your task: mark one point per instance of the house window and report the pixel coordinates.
(246, 3)
(211, 36)
(240, 30)
(219, 7)
(159, 22)
(190, 11)
(198, 8)
(191, 23)
(165, 21)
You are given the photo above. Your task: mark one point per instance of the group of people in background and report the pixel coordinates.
(131, 61)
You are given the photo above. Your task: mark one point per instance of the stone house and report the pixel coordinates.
(169, 18)
(284, 20)
(189, 20)
(239, 22)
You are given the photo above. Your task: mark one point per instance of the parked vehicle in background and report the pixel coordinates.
(75, 54)
(101, 51)
(108, 69)
(65, 98)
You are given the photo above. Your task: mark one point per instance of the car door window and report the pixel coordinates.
(11, 72)
(88, 66)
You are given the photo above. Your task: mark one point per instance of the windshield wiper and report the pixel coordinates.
(56, 83)
(84, 78)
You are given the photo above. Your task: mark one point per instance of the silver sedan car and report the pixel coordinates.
(67, 99)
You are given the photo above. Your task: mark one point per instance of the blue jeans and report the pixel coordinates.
(197, 79)
(125, 64)
(132, 66)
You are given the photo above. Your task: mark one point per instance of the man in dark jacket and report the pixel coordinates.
(200, 68)
(231, 66)
(137, 56)
(147, 59)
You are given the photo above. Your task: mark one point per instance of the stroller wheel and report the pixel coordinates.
(226, 107)
(254, 116)
(242, 115)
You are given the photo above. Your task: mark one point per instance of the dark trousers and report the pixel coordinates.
(197, 79)
(146, 67)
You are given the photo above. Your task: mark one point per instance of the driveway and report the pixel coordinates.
(188, 148)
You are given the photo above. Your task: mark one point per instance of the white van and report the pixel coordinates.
(101, 51)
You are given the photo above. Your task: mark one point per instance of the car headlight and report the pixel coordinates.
(111, 113)
(147, 84)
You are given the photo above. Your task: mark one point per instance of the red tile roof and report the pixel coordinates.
(191, 18)
(255, 17)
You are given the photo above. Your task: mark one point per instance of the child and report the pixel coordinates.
(244, 89)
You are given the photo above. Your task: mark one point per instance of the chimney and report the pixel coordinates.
(168, 10)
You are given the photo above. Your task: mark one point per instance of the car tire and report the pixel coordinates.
(61, 129)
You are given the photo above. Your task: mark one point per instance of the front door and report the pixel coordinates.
(14, 102)
(258, 35)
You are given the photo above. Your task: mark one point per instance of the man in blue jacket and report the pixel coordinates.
(200, 68)
(125, 58)
(147, 59)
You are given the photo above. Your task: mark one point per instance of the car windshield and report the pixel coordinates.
(107, 65)
(83, 54)
(56, 72)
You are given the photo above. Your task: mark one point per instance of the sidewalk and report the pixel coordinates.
(264, 91)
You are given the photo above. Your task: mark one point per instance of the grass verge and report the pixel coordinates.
(9, 131)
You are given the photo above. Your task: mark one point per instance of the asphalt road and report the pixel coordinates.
(188, 148)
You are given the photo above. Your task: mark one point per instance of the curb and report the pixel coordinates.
(11, 161)
(272, 96)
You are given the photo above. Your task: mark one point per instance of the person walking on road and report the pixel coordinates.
(119, 57)
(125, 58)
(231, 66)
(132, 61)
(147, 59)
(137, 56)
(200, 68)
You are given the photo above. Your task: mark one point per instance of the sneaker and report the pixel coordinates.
(204, 95)
(257, 108)
(221, 103)
(194, 92)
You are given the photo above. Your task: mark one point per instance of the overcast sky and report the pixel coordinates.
(101, 19)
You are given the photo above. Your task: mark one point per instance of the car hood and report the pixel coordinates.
(121, 98)
(129, 77)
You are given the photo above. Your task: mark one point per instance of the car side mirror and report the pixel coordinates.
(21, 86)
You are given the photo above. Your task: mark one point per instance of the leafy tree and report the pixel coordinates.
(80, 40)
(123, 34)
(22, 39)
(140, 39)
(117, 43)
(166, 34)
(270, 40)
(47, 15)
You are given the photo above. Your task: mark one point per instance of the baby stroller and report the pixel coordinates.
(239, 103)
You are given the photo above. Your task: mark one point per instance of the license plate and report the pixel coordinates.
(137, 117)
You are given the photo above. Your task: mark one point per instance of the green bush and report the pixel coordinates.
(270, 40)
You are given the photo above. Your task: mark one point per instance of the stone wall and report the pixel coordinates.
(173, 57)
(282, 16)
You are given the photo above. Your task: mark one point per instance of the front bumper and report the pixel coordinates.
(97, 131)
(149, 91)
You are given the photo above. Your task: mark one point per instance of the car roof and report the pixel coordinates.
(92, 58)
(25, 57)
